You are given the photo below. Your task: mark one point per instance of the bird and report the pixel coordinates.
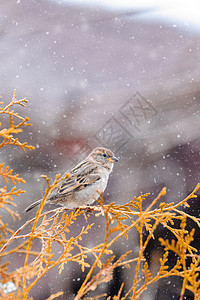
(86, 181)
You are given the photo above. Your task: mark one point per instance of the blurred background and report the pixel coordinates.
(119, 74)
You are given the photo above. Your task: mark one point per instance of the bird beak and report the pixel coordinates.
(112, 159)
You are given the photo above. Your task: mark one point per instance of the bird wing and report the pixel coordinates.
(81, 176)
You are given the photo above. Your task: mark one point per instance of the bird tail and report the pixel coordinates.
(34, 204)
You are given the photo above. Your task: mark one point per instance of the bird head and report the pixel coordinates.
(103, 157)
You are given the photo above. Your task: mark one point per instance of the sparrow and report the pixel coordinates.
(86, 181)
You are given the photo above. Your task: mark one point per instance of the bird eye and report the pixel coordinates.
(104, 155)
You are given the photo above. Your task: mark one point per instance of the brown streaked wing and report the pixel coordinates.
(87, 175)
(80, 167)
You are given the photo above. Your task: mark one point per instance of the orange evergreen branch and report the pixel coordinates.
(54, 296)
(7, 174)
(14, 128)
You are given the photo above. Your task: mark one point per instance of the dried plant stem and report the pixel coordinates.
(84, 285)
(38, 215)
(191, 195)
(15, 235)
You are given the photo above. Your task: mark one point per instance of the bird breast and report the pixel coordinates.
(92, 192)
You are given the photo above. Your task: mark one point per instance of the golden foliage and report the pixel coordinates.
(54, 228)
(16, 123)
